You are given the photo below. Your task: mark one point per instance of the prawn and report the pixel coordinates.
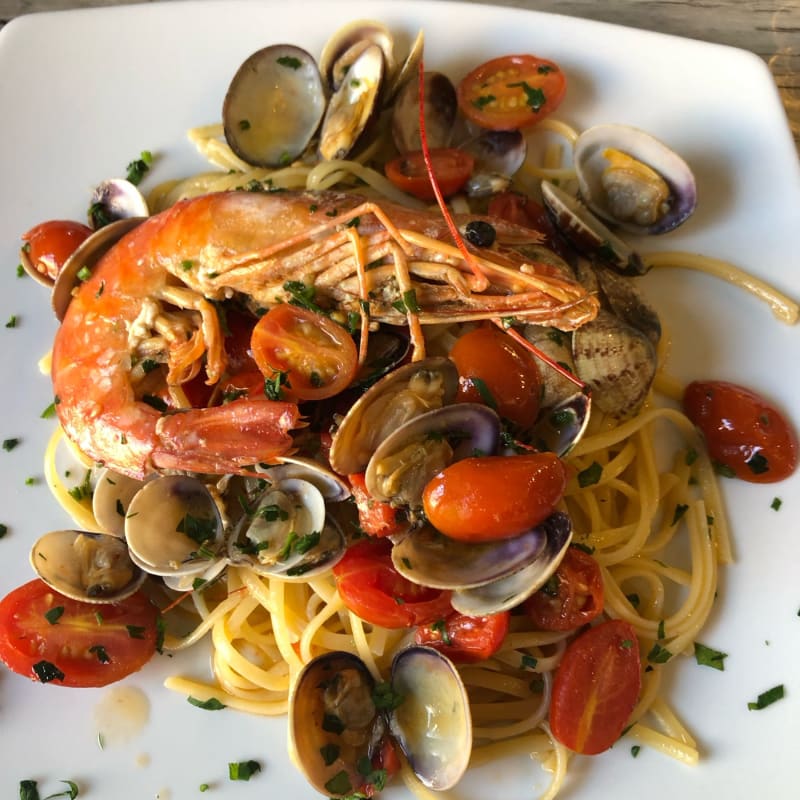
(146, 320)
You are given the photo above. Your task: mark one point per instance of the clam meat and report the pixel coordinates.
(91, 567)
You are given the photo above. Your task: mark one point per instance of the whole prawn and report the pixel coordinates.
(146, 322)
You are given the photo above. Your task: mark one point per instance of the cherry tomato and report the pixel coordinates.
(49, 244)
(90, 644)
(494, 497)
(451, 167)
(596, 687)
(496, 370)
(744, 433)
(318, 356)
(511, 92)
(375, 517)
(238, 333)
(464, 639)
(572, 597)
(373, 589)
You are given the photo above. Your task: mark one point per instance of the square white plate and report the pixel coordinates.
(83, 92)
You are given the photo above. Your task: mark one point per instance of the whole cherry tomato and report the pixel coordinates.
(511, 92)
(451, 168)
(372, 588)
(745, 434)
(572, 597)
(49, 244)
(496, 370)
(596, 687)
(464, 639)
(494, 497)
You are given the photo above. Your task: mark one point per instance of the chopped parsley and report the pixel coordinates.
(10, 444)
(139, 167)
(329, 753)
(46, 672)
(53, 615)
(243, 770)
(339, 784)
(154, 402)
(757, 463)
(100, 652)
(272, 513)
(659, 654)
(635, 750)
(12, 321)
(290, 61)
(332, 724)
(135, 631)
(408, 303)
(440, 626)
(3, 529)
(244, 124)
(767, 698)
(528, 662)
(84, 273)
(302, 295)
(591, 475)
(50, 411)
(483, 100)
(212, 704)
(483, 391)
(776, 503)
(273, 387)
(534, 96)
(198, 529)
(385, 697)
(680, 510)
(83, 490)
(708, 657)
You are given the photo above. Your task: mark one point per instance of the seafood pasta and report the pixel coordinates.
(387, 467)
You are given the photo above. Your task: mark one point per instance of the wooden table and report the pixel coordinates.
(769, 28)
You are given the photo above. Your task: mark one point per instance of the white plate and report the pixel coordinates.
(84, 92)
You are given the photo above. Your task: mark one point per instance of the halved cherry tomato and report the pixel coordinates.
(494, 497)
(511, 92)
(373, 589)
(464, 639)
(451, 167)
(572, 597)
(90, 644)
(375, 517)
(596, 687)
(317, 355)
(495, 369)
(50, 244)
(744, 433)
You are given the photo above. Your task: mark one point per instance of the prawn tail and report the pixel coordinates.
(225, 439)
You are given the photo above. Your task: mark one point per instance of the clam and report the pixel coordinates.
(396, 398)
(288, 533)
(116, 199)
(559, 427)
(406, 71)
(441, 106)
(406, 460)
(353, 105)
(430, 558)
(111, 497)
(510, 591)
(632, 180)
(386, 349)
(87, 254)
(337, 720)
(332, 488)
(616, 361)
(348, 43)
(587, 233)
(626, 302)
(173, 526)
(273, 106)
(498, 155)
(92, 567)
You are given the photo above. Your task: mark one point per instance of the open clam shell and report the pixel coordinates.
(430, 558)
(91, 567)
(508, 592)
(334, 723)
(441, 106)
(408, 458)
(273, 106)
(330, 485)
(173, 526)
(288, 534)
(115, 199)
(401, 395)
(353, 105)
(633, 180)
(348, 43)
(587, 233)
(432, 724)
